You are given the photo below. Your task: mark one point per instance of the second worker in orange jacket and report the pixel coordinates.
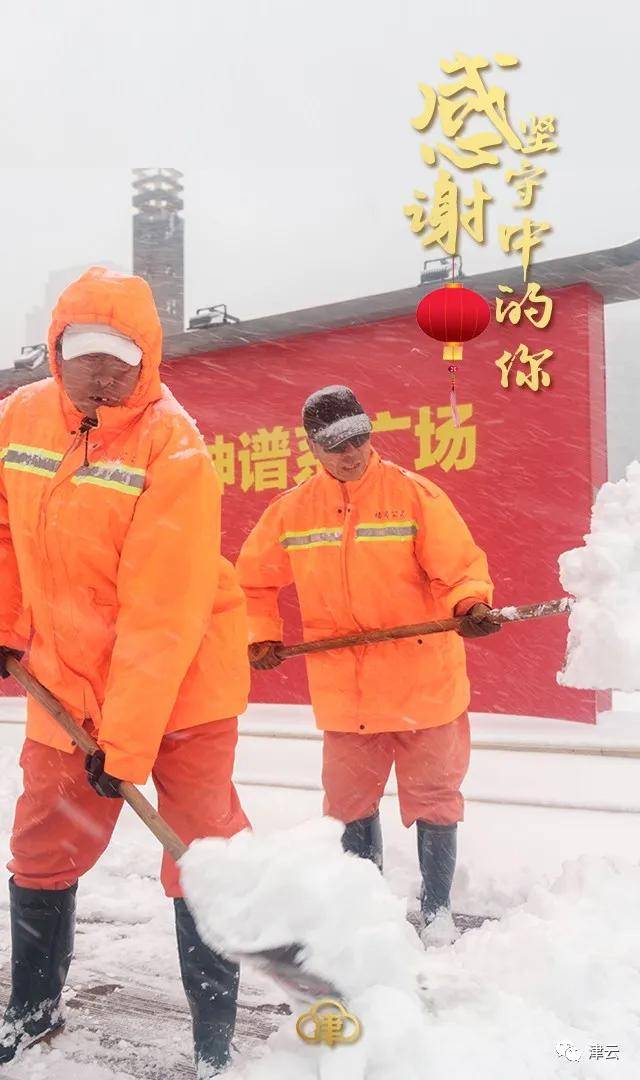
(370, 545)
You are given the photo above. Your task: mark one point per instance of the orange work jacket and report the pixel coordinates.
(387, 550)
(110, 562)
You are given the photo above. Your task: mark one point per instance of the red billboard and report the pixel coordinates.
(522, 466)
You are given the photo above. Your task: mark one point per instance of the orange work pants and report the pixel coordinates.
(430, 767)
(62, 826)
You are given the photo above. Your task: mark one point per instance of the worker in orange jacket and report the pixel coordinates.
(370, 545)
(111, 570)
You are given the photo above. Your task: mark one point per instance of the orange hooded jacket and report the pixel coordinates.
(386, 550)
(114, 569)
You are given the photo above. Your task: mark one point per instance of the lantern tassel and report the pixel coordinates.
(453, 400)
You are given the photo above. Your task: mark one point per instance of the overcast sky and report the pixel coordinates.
(290, 121)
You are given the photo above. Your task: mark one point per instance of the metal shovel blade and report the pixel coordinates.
(284, 965)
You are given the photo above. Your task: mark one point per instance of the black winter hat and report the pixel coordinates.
(334, 415)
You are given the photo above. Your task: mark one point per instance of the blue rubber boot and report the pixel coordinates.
(364, 839)
(42, 933)
(211, 984)
(437, 851)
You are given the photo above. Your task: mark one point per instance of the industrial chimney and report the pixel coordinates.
(158, 241)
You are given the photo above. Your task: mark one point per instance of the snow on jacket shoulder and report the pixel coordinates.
(137, 621)
(390, 549)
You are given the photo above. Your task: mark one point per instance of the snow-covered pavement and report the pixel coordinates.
(561, 969)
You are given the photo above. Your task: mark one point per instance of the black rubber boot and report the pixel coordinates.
(42, 931)
(437, 849)
(211, 984)
(364, 838)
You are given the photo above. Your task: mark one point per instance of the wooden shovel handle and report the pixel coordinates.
(370, 637)
(284, 963)
(147, 813)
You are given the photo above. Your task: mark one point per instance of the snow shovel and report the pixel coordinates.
(371, 637)
(283, 964)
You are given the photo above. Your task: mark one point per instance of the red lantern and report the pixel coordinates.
(453, 315)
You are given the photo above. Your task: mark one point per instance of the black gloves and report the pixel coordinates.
(5, 652)
(264, 655)
(476, 623)
(102, 782)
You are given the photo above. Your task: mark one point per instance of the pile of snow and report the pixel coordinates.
(604, 626)
(563, 969)
(260, 891)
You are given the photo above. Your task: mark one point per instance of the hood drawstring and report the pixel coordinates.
(85, 427)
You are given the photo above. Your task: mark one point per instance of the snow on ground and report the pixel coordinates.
(561, 967)
(604, 577)
(547, 966)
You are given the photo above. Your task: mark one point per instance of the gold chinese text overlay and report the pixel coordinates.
(467, 97)
(277, 458)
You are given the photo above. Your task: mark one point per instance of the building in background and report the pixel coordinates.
(158, 255)
(522, 466)
(37, 319)
(158, 241)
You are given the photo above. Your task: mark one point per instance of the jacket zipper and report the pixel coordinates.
(83, 429)
(346, 537)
